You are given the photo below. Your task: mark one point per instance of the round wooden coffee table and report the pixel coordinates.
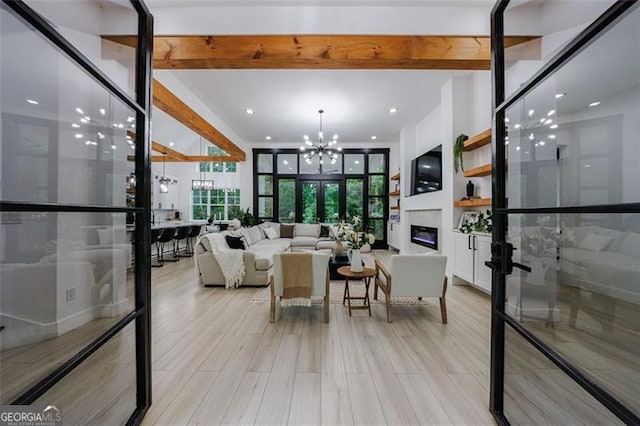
(365, 275)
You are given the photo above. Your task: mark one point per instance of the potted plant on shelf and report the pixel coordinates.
(483, 224)
(458, 146)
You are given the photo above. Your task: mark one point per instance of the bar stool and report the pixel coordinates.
(182, 234)
(166, 235)
(155, 235)
(194, 232)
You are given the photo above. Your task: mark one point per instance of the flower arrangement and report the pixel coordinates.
(483, 223)
(356, 237)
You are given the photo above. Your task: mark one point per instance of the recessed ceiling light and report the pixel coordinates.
(33, 102)
(268, 138)
(250, 111)
(596, 103)
(559, 95)
(79, 111)
(171, 143)
(393, 110)
(373, 138)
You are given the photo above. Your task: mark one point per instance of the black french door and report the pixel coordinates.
(566, 225)
(320, 200)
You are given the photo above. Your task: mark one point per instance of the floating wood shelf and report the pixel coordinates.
(477, 141)
(479, 171)
(473, 203)
(395, 177)
(394, 208)
(394, 193)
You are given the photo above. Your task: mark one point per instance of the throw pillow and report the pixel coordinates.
(255, 235)
(270, 233)
(235, 242)
(286, 231)
(307, 230)
(324, 231)
(595, 242)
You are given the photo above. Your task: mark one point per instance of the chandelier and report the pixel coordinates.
(321, 149)
(201, 183)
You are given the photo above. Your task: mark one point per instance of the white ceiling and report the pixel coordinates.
(286, 102)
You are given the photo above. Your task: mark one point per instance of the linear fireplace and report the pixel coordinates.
(425, 236)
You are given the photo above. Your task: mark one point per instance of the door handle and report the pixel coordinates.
(474, 242)
(521, 266)
(469, 242)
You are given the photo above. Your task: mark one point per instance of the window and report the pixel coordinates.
(218, 166)
(219, 203)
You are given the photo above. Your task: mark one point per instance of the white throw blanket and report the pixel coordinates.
(231, 264)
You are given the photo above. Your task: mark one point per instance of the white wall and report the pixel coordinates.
(465, 107)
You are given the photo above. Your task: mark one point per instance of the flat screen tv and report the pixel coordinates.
(426, 172)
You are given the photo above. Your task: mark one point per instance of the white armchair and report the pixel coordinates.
(281, 278)
(409, 275)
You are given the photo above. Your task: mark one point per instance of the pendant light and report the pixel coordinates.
(164, 182)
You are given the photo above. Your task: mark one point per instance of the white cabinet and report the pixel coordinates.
(470, 253)
(393, 235)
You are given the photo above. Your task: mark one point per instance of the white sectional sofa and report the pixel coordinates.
(258, 256)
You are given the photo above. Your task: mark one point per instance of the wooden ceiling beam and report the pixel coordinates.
(195, 159)
(164, 99)
(322, 51)
(170, 153)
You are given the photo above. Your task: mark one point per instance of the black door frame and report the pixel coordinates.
(501, 251)
(142, 105)
(320, 196)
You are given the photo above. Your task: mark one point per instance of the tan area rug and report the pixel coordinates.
(336, 292)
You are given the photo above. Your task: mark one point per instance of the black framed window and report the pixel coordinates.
(76, 207)
(289, 189)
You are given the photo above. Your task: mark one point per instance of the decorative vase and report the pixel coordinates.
(338, 250)
(356, 260)
(470, 189)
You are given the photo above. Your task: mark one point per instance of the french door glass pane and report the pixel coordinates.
(309, 167)
(286, 200)
(287, 164)
(579, 148)
(376, 207)
(376, 163)
(265, 207)
(64, 282)
(376, 184)
(265, 185)
(64, 138)
(355, 198)
(265, 163)
(536, 392)
(557, 23)
(331, 202)
(582, 296)
(115, 58)
(353, 164)
(309, 202)
(101, 390)
(376, 227)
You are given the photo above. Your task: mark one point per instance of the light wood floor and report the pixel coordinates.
(217, 360)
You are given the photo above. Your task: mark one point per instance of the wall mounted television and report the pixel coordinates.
(426, 172)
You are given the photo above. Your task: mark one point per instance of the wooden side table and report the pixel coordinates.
(365, 275)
